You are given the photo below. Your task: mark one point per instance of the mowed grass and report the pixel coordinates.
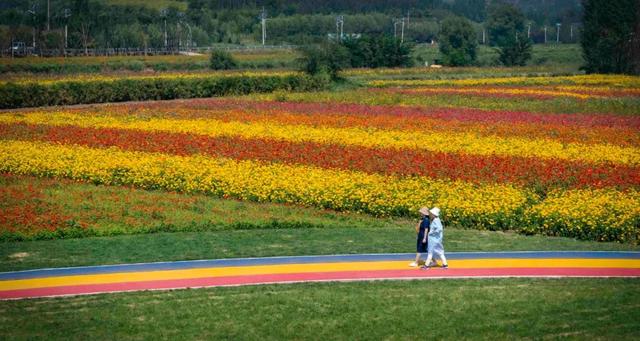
(206, 228)
(402, 310)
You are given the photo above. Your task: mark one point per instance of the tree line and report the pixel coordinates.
(101, 24)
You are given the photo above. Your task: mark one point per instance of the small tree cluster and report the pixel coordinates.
(378, 51)
(506, 31)
(369, 51)
(326, 59)
(458, 42)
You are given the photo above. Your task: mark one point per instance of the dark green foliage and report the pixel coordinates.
(516, 52)
(378, 51)
(328, 58)
(458, 42)
(506, 31)
(222, 60)
(73, 92)
(611, 36)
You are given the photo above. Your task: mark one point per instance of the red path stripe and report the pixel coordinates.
(455, 166)
(317, 277)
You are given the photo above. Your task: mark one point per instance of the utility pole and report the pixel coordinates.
(395, 27)
(178, 30)
(33, 13)
(529, 31)
(558, 33)
(339, 27)
(402, 32)
(48, 16)
(188, 36)
(66, 13)
(163, 14)
(571, 34)
(263, 20)
(483, 36)
(545, 34)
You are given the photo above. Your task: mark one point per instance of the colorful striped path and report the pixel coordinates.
(246, 271)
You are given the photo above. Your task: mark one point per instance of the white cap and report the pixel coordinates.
(435, 211)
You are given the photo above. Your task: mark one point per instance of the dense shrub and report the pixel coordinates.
(77, 92)
(378, 51)
(222, 60)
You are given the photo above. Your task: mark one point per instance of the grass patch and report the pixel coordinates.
(267, 242)
(622, 105)
(553, 55)
(437, 309)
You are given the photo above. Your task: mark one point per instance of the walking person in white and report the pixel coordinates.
(435, 237)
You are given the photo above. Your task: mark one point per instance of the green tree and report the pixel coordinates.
(458, 41)
(327, 58)
(611, 36)
(506, 32)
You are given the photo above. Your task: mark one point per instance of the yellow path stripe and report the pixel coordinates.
(306, 268)
(451, 142)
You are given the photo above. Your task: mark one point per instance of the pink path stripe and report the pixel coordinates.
(317, 277)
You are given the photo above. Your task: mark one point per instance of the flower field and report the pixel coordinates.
(574, 175)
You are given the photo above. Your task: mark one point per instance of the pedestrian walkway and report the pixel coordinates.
(247, 271)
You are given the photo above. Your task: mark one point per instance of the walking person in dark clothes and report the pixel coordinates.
(422, 230)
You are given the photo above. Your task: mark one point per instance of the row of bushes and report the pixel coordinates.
(83, 92)
(134, 65)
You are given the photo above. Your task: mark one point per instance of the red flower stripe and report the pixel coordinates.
(231, 108)
(522, 171)
(568, 133)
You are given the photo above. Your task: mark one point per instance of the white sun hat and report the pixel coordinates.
(424, 210)
(435, 211)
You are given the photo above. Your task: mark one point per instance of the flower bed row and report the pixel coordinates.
(450, 142)
(539, 174)
(604, 214)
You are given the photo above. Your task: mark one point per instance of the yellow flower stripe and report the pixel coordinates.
(491, 204)
(507, 91)
(601, 214)
(46, 80)
(465, 142)
(607, 213)
(610, 80)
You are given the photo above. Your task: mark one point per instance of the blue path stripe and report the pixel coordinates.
(212, 263)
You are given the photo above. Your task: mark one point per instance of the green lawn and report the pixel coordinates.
(403, 310)
(541, 55)
(266, 242)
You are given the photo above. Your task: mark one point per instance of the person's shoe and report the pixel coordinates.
(445, 266)
(413, 264)
(425, 267)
